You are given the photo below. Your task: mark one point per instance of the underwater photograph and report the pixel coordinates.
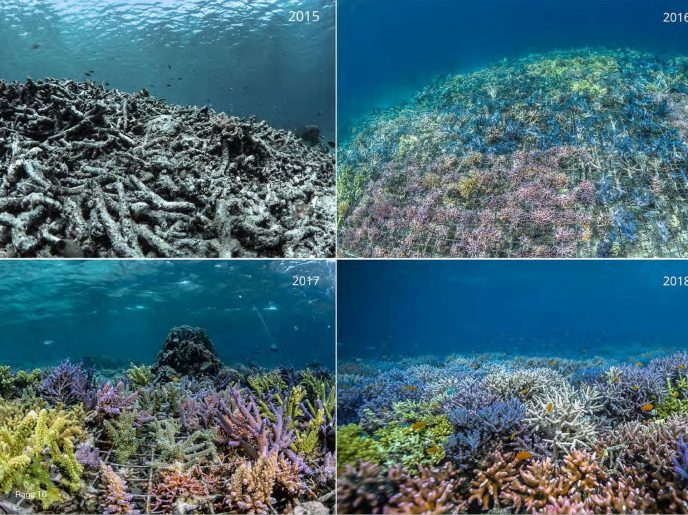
(512, 387)
(167, 128)
(512, 128)
(167, 386)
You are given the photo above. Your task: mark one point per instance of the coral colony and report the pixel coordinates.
(89, 172)
(524, 435)
(568, 154)
(187, 435)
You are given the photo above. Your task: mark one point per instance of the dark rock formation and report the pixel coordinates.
(186, 351)
(87, 172)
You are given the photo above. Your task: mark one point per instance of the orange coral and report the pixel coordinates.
(176, 487)
(534, 486)
(493, 476)
(433, 490)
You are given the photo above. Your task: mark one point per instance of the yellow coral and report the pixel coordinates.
(29, 448)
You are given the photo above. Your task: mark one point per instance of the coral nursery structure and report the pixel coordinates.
(90, 172)
(522, 435)
(186, 435)
(566, 154)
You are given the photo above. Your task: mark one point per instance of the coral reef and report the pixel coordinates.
(174, 437)
(90, 172)
(187, 351)
(512, 435)
(583, 154)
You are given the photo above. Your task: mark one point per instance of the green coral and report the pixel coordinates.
(307, 440)
(11, 384)
(140, 376)
(29, 450)
(354, 445)
(406, 444)
(676, 401)
(265, 382)
(318, 389)
(191, 451)
(123, 435)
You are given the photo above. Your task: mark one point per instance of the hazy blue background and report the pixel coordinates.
(389, 49)
(615, 309)
(52, 310)
(243, 57)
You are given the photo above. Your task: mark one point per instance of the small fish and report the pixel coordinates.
(418, 426)
(88, 74)
(523, 455)
(550, 407)
(168, 85)
(681, 366)
(638, 363)
(174, 379)
(525, 391)
(433, 450)
(674, 395)
(331, 144)
(48, 342)
(435, 406)
(647, 407)
(410, 388)
(206, 365)
(274, 348)
(635, 388)
(35, 46)
(552, 362)
(169, 66)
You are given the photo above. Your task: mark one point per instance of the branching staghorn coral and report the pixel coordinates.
(186, 452)
(253, 485)
(564, 418)
(627, 389)
(68, 384)
(491, 479)
(123, 436)
(116, 497)
(29, 450)
(111, 401)
(140, 376)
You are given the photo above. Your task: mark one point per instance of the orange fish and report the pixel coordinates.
(523, 455)
(681, 366)
(550, 407)
(435, 405)
(552, 362)
(647, 407)
(433, 450)
(638, 363)
(410, 388)
(418, 426)
(635, 388)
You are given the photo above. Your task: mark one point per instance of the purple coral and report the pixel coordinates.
(257, 435)
(112, 400)
(68, 383)
(88, 456)
(680, 460)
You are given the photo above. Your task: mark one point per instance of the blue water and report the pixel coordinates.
(242, 57)
(123, 310)
(618, 310)
(389, 49)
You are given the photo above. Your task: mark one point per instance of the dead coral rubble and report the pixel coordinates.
(86, 172)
